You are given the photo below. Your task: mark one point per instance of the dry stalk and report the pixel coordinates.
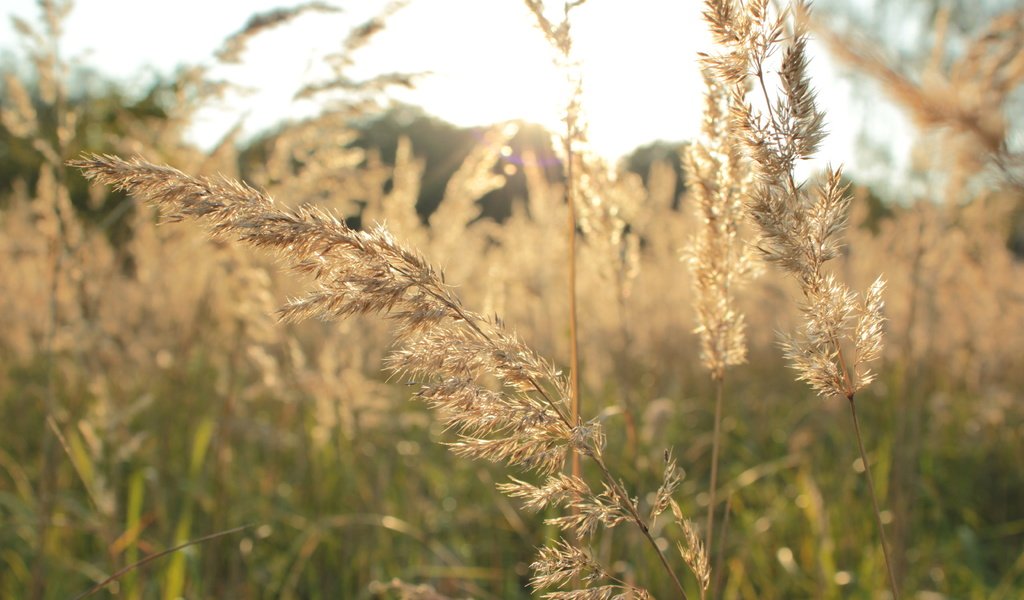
(560, 37)
(51, 141)
(719, 262)
(567, 564)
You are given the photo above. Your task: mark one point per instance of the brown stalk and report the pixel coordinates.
(570, 196)
(637, 519)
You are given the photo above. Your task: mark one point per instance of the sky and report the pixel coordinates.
(487, 62)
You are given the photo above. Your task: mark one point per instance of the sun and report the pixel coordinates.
(495, 67)
(488, 63)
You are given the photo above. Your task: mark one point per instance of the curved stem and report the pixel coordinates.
(118, 574)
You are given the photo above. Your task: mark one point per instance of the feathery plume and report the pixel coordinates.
(454, 352)
(798, 232)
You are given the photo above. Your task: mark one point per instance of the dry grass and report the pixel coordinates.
(175, 406)
(526, 422)
(797, 232)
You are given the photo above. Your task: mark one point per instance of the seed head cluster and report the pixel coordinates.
(505, 403)
(798, 230)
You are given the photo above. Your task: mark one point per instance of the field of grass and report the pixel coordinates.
(151, 399)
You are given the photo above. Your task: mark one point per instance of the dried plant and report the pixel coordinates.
(798, 232)
(693, 551)
(718, 180)
(357, 94)
(474, 179)
(595, 205)
(232, 49)
(62, 231)
(450, 351)
(398, 207)
(559, 36)
(167, 341)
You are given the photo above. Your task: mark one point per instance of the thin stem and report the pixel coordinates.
(570, 196)
(59, 252)
(120, 573)
(637, 519)
(715, 444)
(721, 549)
(571, 132)
(874, 501)
(570, 200)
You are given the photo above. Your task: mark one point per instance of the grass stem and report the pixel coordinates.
(874, 501)
(614, 484)
(570, 198)
(713, 486)
(122, 572)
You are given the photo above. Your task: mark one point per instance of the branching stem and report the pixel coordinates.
(637, 519)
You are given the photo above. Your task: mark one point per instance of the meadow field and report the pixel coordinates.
(727, 384)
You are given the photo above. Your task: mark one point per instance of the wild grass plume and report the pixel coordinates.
(155, 396)
(797, 231)
(718, 260)
(450, 351)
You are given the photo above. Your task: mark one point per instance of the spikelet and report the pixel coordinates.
(797, 231)
(454, 353)
(719, 262)
(692, 551)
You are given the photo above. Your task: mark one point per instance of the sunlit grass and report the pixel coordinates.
(149, 397)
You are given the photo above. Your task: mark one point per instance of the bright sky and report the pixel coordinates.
(488, 62)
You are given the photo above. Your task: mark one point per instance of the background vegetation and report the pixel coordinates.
(148, 396)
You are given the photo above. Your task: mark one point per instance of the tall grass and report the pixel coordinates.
(181, 408)
(797, 232)
(719, 263)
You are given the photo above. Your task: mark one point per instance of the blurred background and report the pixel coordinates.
(148, 395)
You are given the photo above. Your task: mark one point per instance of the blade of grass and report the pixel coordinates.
(120, 573)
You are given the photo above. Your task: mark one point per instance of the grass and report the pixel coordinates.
(158, 423)
(323, 509)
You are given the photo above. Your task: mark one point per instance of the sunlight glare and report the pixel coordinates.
(492, 64)
(486, 63)
(641, 82)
